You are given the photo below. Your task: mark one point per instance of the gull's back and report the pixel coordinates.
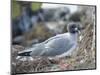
(54, 46)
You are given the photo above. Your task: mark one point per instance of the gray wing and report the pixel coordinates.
(53, 46)
(41, 49)
(37, 49)
(57, 46)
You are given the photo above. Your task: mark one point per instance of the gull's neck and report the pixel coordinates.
(74, 36)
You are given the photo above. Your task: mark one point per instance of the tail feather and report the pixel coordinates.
(25, 53)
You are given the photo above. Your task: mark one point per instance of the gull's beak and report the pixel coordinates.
(78, 29)
(81, 28)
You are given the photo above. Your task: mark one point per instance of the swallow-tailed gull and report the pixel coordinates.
(58, 46)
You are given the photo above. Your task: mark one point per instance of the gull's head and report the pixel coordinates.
(74, 27)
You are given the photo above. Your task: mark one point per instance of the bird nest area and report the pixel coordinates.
(82, 58)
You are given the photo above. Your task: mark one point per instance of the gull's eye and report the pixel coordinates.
(73, 26)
